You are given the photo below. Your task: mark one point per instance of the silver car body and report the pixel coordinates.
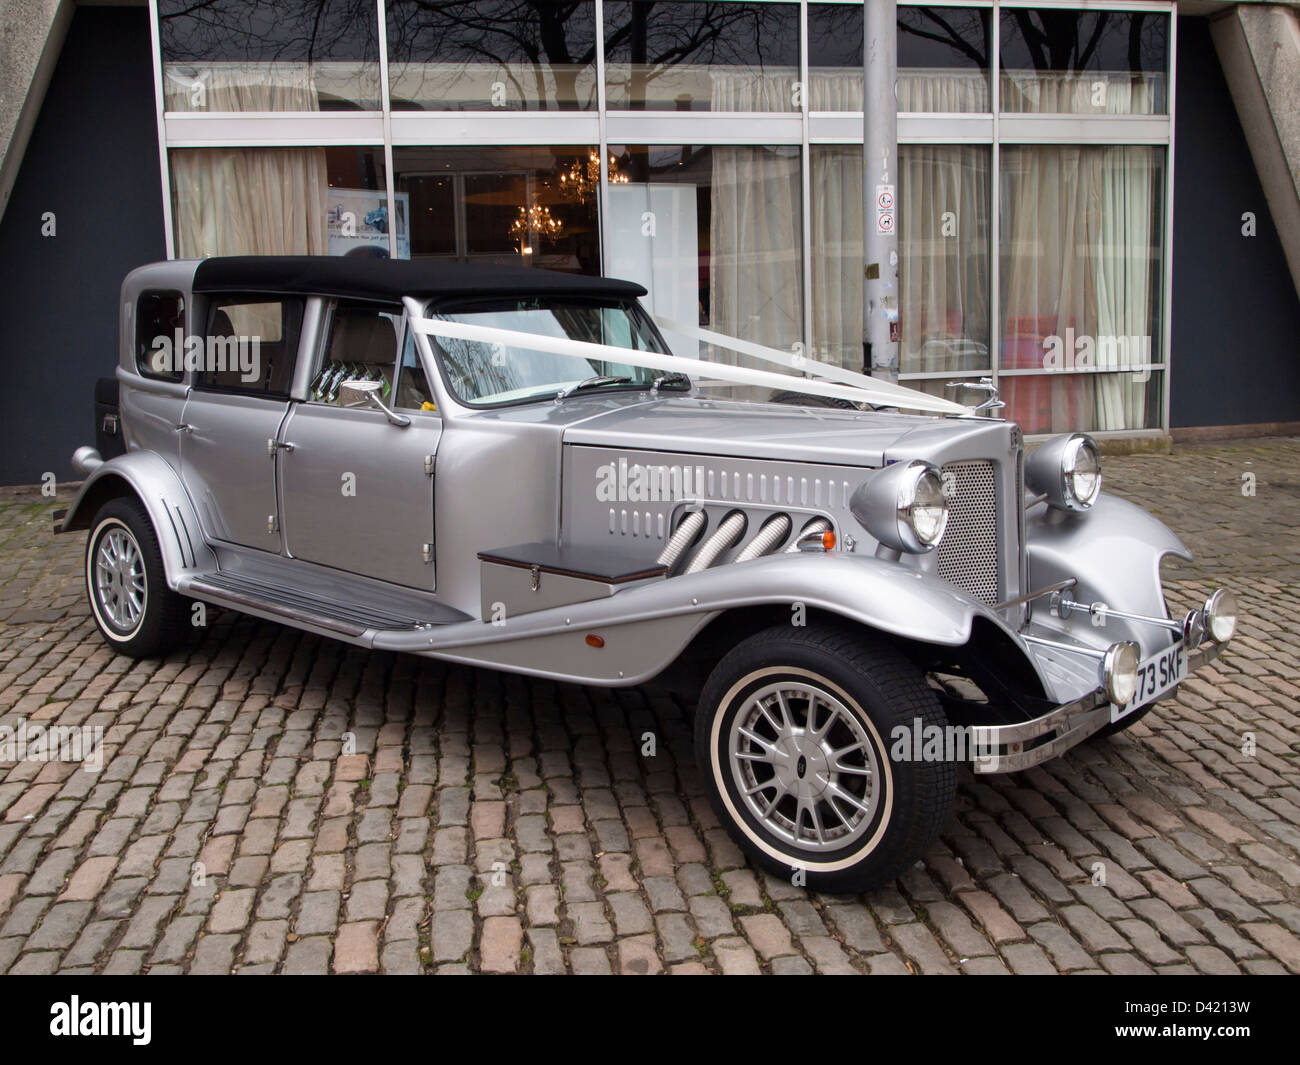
(243, 497)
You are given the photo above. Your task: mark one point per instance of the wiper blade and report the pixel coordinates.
(591, 382)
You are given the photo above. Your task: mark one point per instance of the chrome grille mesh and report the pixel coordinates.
(968, 552)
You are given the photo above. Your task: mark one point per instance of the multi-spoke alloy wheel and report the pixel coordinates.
(805, 765)
(119, 579)
(127, 585)
(792, 735)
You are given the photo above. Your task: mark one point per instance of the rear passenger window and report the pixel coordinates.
(250, 346)
(160, 335)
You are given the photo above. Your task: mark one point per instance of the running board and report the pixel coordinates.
(278, 603)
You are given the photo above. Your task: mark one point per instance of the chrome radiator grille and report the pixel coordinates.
(968, 552)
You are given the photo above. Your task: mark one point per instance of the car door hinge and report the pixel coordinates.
(271, 524)
(426, 552)
(428, 465)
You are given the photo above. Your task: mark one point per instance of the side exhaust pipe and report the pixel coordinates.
(686, 533)
(768, 538)
(724, 536)
(817, 525)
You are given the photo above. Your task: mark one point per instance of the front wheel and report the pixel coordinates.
(794, 736)
(127, 586)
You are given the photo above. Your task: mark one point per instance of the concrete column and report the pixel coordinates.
(1259, 50)
(31, 36)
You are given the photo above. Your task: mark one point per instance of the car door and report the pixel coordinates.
(356, 485)
(241, 372)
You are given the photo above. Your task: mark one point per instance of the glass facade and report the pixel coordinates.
(711, 149)
(1084, 62)
(683, 55)
(501, 204)
(267, 55)
(482, 55)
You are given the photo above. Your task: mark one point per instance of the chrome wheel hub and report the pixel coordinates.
(805, 766)
(119, 579)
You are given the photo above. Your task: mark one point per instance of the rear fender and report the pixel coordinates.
(148, 478)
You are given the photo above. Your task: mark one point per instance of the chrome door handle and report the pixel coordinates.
(184, 427)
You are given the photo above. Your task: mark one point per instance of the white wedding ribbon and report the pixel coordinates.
(839, 384)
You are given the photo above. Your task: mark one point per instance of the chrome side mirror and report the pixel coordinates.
(366, 394)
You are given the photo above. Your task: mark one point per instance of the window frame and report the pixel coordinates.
(465, 306)
(326, 331)
(291, 330)
(141, 367)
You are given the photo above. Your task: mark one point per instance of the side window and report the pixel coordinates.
(160, 335)
(413, 392)
(250, 346)
(362, 346)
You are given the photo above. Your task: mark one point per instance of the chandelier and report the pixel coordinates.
(534, 220)
(581, 180)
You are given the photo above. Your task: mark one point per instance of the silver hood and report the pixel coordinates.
(691, 425)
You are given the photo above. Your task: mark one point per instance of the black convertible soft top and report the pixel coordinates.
(389, 279)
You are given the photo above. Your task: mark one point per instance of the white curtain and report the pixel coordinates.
(1075, 93)
(1128, 230)
(1081, 228)
(755, 240)
(247, 201)
(943, 258)
(919, 89)
(944, 262)
(837, 254)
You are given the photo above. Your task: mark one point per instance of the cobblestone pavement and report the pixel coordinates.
(497, 824)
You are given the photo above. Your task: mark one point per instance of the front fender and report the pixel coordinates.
(1113, 550)
(150, 479)
(645, 626)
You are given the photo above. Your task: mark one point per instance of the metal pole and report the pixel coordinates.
(881, 329)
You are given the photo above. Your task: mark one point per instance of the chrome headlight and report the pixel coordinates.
(1220, 613)
(1067, 471)
(1119, 672)
(903, 506)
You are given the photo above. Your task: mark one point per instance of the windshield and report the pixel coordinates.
(485, 374)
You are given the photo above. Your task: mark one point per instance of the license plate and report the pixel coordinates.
(1159, 673)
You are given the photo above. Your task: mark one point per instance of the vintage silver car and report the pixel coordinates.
(509, 468)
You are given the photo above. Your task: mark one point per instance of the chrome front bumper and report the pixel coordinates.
(1010, 748)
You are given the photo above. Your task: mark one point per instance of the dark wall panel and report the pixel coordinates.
(1236, 316)
(93, 162)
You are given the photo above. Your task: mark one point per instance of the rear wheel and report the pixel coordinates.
(794, 739)
(127, 586)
